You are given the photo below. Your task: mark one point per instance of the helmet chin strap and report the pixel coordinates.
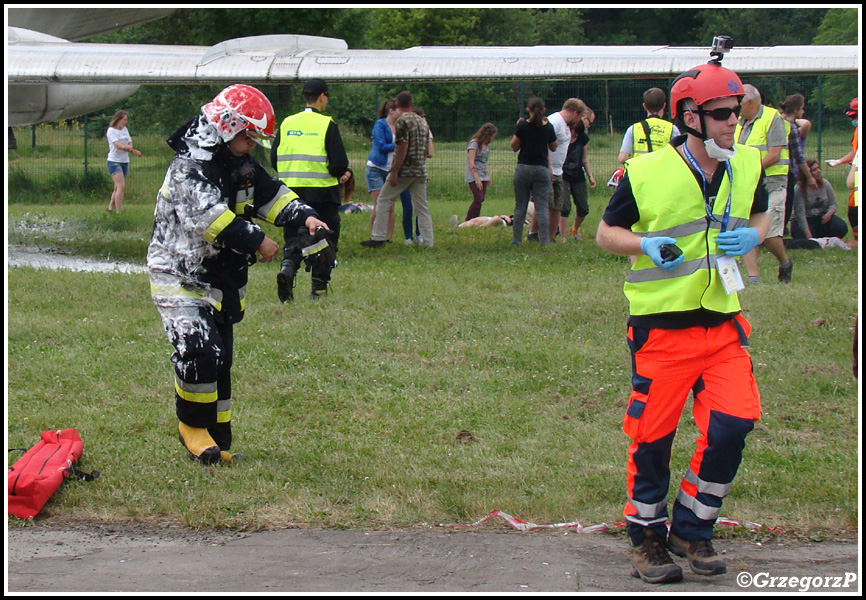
(713, 149)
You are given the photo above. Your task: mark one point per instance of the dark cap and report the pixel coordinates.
(315, 86)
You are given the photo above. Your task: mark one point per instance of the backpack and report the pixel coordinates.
(36, 476)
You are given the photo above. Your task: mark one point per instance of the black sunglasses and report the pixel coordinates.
(722, 114)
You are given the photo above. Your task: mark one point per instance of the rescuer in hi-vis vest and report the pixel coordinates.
(762, 127)
(686, 211)
(310, 159)
(203, 242)
(652, 133)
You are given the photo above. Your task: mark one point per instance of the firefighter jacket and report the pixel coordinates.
(651, 134)
(671, 203)
(757, 138)
(302, 158)
(203, 236)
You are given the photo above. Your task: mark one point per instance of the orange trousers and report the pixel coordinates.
(714, 364)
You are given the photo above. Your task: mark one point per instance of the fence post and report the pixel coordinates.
(820, 111)
(85, 156)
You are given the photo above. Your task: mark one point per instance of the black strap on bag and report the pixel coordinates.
(646, 130)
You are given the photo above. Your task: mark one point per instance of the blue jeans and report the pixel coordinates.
(531, 181)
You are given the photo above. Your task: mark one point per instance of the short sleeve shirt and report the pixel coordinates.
(117, 135)
(534, 142)
(413, 129)
(481, 157)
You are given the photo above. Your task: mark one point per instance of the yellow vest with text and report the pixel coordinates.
(670, 203)
(302, 160)
(659, 135)
(758, 139)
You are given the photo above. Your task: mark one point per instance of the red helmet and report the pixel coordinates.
(704, 83)
(853, 107)
(242, 108)
(615, 178)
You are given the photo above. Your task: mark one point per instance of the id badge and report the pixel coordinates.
(729, 272)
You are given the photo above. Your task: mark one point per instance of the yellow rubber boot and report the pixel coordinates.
(199, 444)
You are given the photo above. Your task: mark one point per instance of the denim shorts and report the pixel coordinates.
(375, 178)
(118, 167)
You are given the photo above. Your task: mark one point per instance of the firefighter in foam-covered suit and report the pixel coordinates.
(203, 243)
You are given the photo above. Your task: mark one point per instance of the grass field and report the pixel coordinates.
(350, 409)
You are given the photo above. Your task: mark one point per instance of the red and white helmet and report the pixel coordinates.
(853, 107)
(615, 178)
(240, 108)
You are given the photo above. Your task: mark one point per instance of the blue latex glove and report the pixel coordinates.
(651, 246)
(738, 242)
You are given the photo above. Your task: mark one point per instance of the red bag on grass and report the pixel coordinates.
(37, 475)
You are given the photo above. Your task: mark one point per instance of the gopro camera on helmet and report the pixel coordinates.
(722, 44)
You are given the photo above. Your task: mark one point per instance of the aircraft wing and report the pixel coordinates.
(81, 23)
(292, 58)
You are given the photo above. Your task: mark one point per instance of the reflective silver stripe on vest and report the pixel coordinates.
(224, 405)
(302, 175)
(696, 226)
(304, 157)
(701, 510)
(719, 490)
(689, 267)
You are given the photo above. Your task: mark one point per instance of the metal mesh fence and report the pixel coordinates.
(57, 162)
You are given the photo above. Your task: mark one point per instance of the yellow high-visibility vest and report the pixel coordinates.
(758, 139)
(659, 135)
(670, 203)
(302, 160)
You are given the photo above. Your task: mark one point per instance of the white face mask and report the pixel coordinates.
(717, 152)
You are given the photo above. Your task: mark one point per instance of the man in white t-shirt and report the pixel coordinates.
(561, 121)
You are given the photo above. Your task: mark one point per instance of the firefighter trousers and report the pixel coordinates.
(714, 364)
(204, 345)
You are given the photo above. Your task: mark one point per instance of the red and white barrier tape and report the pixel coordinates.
(521, 525)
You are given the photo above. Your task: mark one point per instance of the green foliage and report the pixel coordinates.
(839, 26)
(760, 26)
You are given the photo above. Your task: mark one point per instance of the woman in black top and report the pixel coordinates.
(533, 139)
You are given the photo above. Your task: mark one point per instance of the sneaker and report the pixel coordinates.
(286, 283)
(785, 271)
(652, 563)
(532, 237)
(199, 444)
(703, 559)
(754, 279)
(409, 241)
(373, 243)
(454, 221)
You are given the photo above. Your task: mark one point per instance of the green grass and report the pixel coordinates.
(349, 408)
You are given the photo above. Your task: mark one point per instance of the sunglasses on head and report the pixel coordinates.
(722, 114)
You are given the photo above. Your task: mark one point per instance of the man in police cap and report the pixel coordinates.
(311, 160)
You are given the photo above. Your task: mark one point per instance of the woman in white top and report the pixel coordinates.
(119, 147)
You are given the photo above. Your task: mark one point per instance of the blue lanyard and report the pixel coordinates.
(707, 207)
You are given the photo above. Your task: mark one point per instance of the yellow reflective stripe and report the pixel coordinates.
(218, 224)
(278, 205)
(224, 411)
(199, 397)
(240, 207)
